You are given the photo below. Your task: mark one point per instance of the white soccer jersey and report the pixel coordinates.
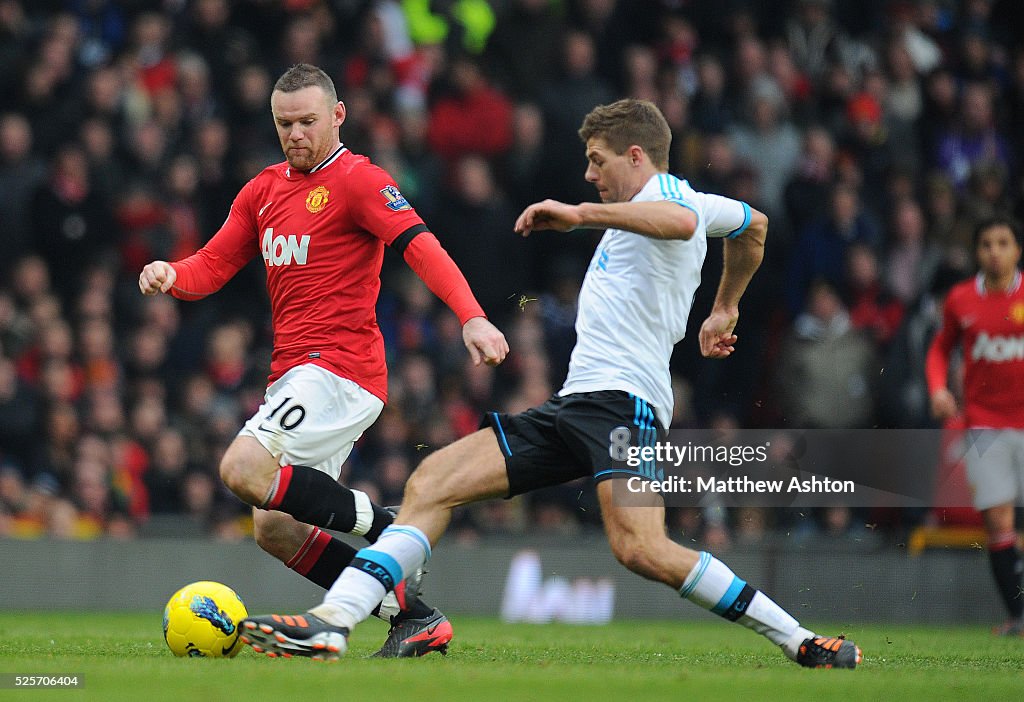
(636, 298)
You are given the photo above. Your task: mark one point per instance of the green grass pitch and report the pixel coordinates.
(123, 657)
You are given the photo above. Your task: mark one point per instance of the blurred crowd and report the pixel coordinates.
(874, 133)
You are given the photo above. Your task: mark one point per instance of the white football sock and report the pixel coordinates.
(712, 585)
(374, 571)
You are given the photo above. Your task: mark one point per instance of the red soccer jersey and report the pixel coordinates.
(989, 326)
(322, 235)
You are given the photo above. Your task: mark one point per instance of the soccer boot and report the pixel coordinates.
(290, 635)
(411, 638)
(1011, 627)
(829, 652)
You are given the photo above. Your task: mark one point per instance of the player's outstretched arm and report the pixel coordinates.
(658, 220)
(157, 277)
(743, 256)
(485, 342)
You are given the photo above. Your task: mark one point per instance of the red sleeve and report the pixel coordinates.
(378, 206)
(434, 266)
(206, 271)
(936, 367)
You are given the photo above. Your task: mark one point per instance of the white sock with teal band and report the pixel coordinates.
(374, 571)
(712, 585)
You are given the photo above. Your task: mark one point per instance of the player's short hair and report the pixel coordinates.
(627, 122)
(999, 221)
(304, 75)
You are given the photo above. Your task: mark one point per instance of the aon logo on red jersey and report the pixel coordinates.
(284, 250)
(997, 349)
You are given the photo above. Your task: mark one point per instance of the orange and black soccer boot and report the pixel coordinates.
(829, 652)
(288, 635)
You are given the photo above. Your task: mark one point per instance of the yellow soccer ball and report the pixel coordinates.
(201, 620)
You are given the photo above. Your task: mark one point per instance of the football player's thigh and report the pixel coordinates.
(469, 470)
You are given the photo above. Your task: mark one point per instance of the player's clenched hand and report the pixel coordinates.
(716, 337)
(549, 214)
(943, 404)
(485, 342)
(157, 276)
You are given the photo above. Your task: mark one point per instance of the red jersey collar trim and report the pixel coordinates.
(979, 284)
(323, 164)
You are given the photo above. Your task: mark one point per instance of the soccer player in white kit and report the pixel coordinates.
(633, 309)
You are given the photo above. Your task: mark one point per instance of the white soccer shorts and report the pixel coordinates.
(312, 417)
(995, 466)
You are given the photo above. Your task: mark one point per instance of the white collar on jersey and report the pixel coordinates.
(323, 164)
(979, 283)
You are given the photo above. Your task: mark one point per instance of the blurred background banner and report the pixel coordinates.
(544, 580)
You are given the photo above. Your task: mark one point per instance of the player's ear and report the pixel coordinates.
(636, 155)
(339, 113)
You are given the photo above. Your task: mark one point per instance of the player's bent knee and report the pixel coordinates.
(248, 470)
(232, 472)
(421, 490)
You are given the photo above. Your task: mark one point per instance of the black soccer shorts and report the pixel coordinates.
(588, 433)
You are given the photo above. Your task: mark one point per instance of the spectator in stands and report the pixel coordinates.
(474, 218)
(72, 223)
(768, 142)
(975, 140)
(21, 172)
(873, 309)
(807, 193)
(471, 117)
(826, 367)
(158, 103)
(564, 101)
(820, 249)
(911, 259)
(525, 23)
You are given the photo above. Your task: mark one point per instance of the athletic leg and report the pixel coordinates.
(308, 550)
(319, 557)
(1005, 560)
(995, 459)
(310, 495)
(470, 470)
(636, 533)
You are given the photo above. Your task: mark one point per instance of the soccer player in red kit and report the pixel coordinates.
(985, 317)
(321, 220)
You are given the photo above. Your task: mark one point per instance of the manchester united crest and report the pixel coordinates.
(317, 199)
(1017, 312)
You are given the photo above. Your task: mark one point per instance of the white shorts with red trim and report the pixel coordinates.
(312, 417)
